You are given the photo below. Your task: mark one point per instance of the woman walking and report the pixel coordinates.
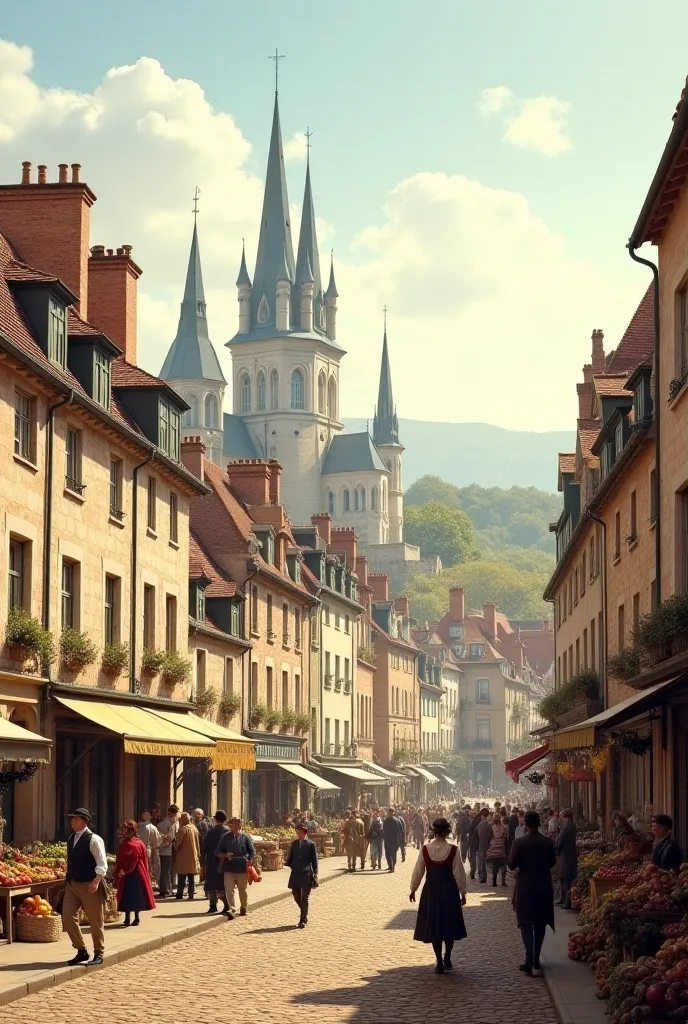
(134, 892)
(497, 850)
(440, 917)
(187, 856)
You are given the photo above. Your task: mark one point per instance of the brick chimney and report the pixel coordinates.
(344, 539)
(587, 373)
(598, 351)
(362, 570)
(457, 604)
(250, 480)
(275, 482)
(490, 616)
(193, 453)
(48, 223)
(112, 293)
(323, 524)
(584, 401)
(379, 584)
(401, 605)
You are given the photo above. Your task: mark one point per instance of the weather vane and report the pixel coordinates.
(309, 136)
(384, 310)
(197, 195)
(277, 57)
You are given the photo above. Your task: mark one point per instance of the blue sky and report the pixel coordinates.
(391, 92)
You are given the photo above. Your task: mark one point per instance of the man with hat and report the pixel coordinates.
(302, 858)
(85, 888)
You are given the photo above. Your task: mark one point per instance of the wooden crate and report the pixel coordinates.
(600, 886)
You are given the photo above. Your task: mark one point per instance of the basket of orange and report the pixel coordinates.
(37, 922)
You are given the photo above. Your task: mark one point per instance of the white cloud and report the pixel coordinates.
(495, 99)
(540, 122)
(295, 147)
(489, 316)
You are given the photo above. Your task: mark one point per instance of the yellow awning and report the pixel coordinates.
(19, 744)
(142, 731)
(232, 750)
(572, 739)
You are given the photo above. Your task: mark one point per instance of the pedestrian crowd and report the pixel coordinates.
(170, 852)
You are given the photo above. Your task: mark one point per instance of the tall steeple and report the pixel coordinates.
(385, 423)
(191, 355)
(275, 247)
(307, 252)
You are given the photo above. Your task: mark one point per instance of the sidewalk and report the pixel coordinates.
(571, 985)
(30, 967)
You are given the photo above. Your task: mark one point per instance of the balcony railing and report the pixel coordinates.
(116, 513)
(72, 484)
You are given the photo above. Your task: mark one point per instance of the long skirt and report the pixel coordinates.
(440, 917)
(134, 895)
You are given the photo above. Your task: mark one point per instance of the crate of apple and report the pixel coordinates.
(12, 875)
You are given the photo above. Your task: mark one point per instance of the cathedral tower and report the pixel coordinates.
(386, 439)
(192, 367)
(285, 355)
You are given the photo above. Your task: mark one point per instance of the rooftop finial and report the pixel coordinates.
(309, 136)
(277, 57)
(384, 310)
(197, 196)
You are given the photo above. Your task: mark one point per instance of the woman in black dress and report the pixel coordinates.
(440, 917)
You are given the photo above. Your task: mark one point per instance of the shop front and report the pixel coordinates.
(23, 754)
(426, 787)
(398, 783)
(359, 786)
(271, 790)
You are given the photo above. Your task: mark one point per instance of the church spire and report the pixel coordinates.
(385, 423)
(275, 247)
(308, 250)
(191, 355)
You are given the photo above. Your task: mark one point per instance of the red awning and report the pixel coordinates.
(518, 765)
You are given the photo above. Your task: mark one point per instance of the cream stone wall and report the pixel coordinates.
(577, 613)
(338, 705)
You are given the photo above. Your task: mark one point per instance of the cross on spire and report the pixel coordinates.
(384, 310)
(309, 136)
(277, 57)
(197, 195)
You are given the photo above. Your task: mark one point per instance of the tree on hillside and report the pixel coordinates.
(516, 593)
(526, 529)
(432, 488)
(438, 530)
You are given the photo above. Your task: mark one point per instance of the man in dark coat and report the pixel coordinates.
(666, 853)
(565, 848)
(473, 842)
(392, 836)
(402, 832)
(531, 859)
(302, 858)
(214, 875)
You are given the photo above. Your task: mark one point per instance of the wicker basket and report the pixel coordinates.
(32, 928)
(111, 914)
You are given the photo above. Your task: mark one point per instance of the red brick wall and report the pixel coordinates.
(112, 295)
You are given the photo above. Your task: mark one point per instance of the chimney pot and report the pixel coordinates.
(62, 176)
(97, 251)
(457, 604)
(120, 251)
(42, 174)
(127, 250)
(110, 252)
(75, 173)
(26, 172)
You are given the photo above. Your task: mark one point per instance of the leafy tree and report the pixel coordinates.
(439, 530)
(432, 488)
(516, 593)
(525, 529)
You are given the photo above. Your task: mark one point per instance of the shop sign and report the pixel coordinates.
(276, 752)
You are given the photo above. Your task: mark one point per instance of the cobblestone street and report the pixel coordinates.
(356, 962)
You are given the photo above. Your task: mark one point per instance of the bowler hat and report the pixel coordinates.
(80, 812)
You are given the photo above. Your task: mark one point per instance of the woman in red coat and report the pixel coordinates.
(134, 892)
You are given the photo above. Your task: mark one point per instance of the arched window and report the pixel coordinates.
(297, 390)
(384, 495)
(346, 500)
(332, 398)
(330, 502)
(374, 499)
(261, 392)
(211, 410)
(245, 393)
(360, 499)
(191, 417)
(322, 391)
(274, 389)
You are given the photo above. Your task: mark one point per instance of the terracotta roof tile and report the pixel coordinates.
(588, 432)
(18, 272)
(612, 385)
(78, 326)
(637, 342)
(126, 375)
(201, 564)
(567, 462)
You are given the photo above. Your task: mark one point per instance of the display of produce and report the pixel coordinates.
(35, 906)
(39, 862)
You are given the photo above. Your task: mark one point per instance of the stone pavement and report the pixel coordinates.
(571, 985)
(354, 963)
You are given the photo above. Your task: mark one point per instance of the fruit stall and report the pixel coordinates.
(35, 871)
(635, 940)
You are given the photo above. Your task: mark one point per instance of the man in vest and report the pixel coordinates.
(86, 869)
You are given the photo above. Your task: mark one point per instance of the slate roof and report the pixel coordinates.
(236, 442)
(385, 423)
(352, 453)
(191, 355)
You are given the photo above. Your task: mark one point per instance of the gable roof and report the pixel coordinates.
(612, 385)
(201, 564)
(351, 453)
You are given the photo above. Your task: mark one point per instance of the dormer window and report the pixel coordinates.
(477, 650)
(168, 441)
(57, 333)
(200, 604)
(235, 619)
(101, 378)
